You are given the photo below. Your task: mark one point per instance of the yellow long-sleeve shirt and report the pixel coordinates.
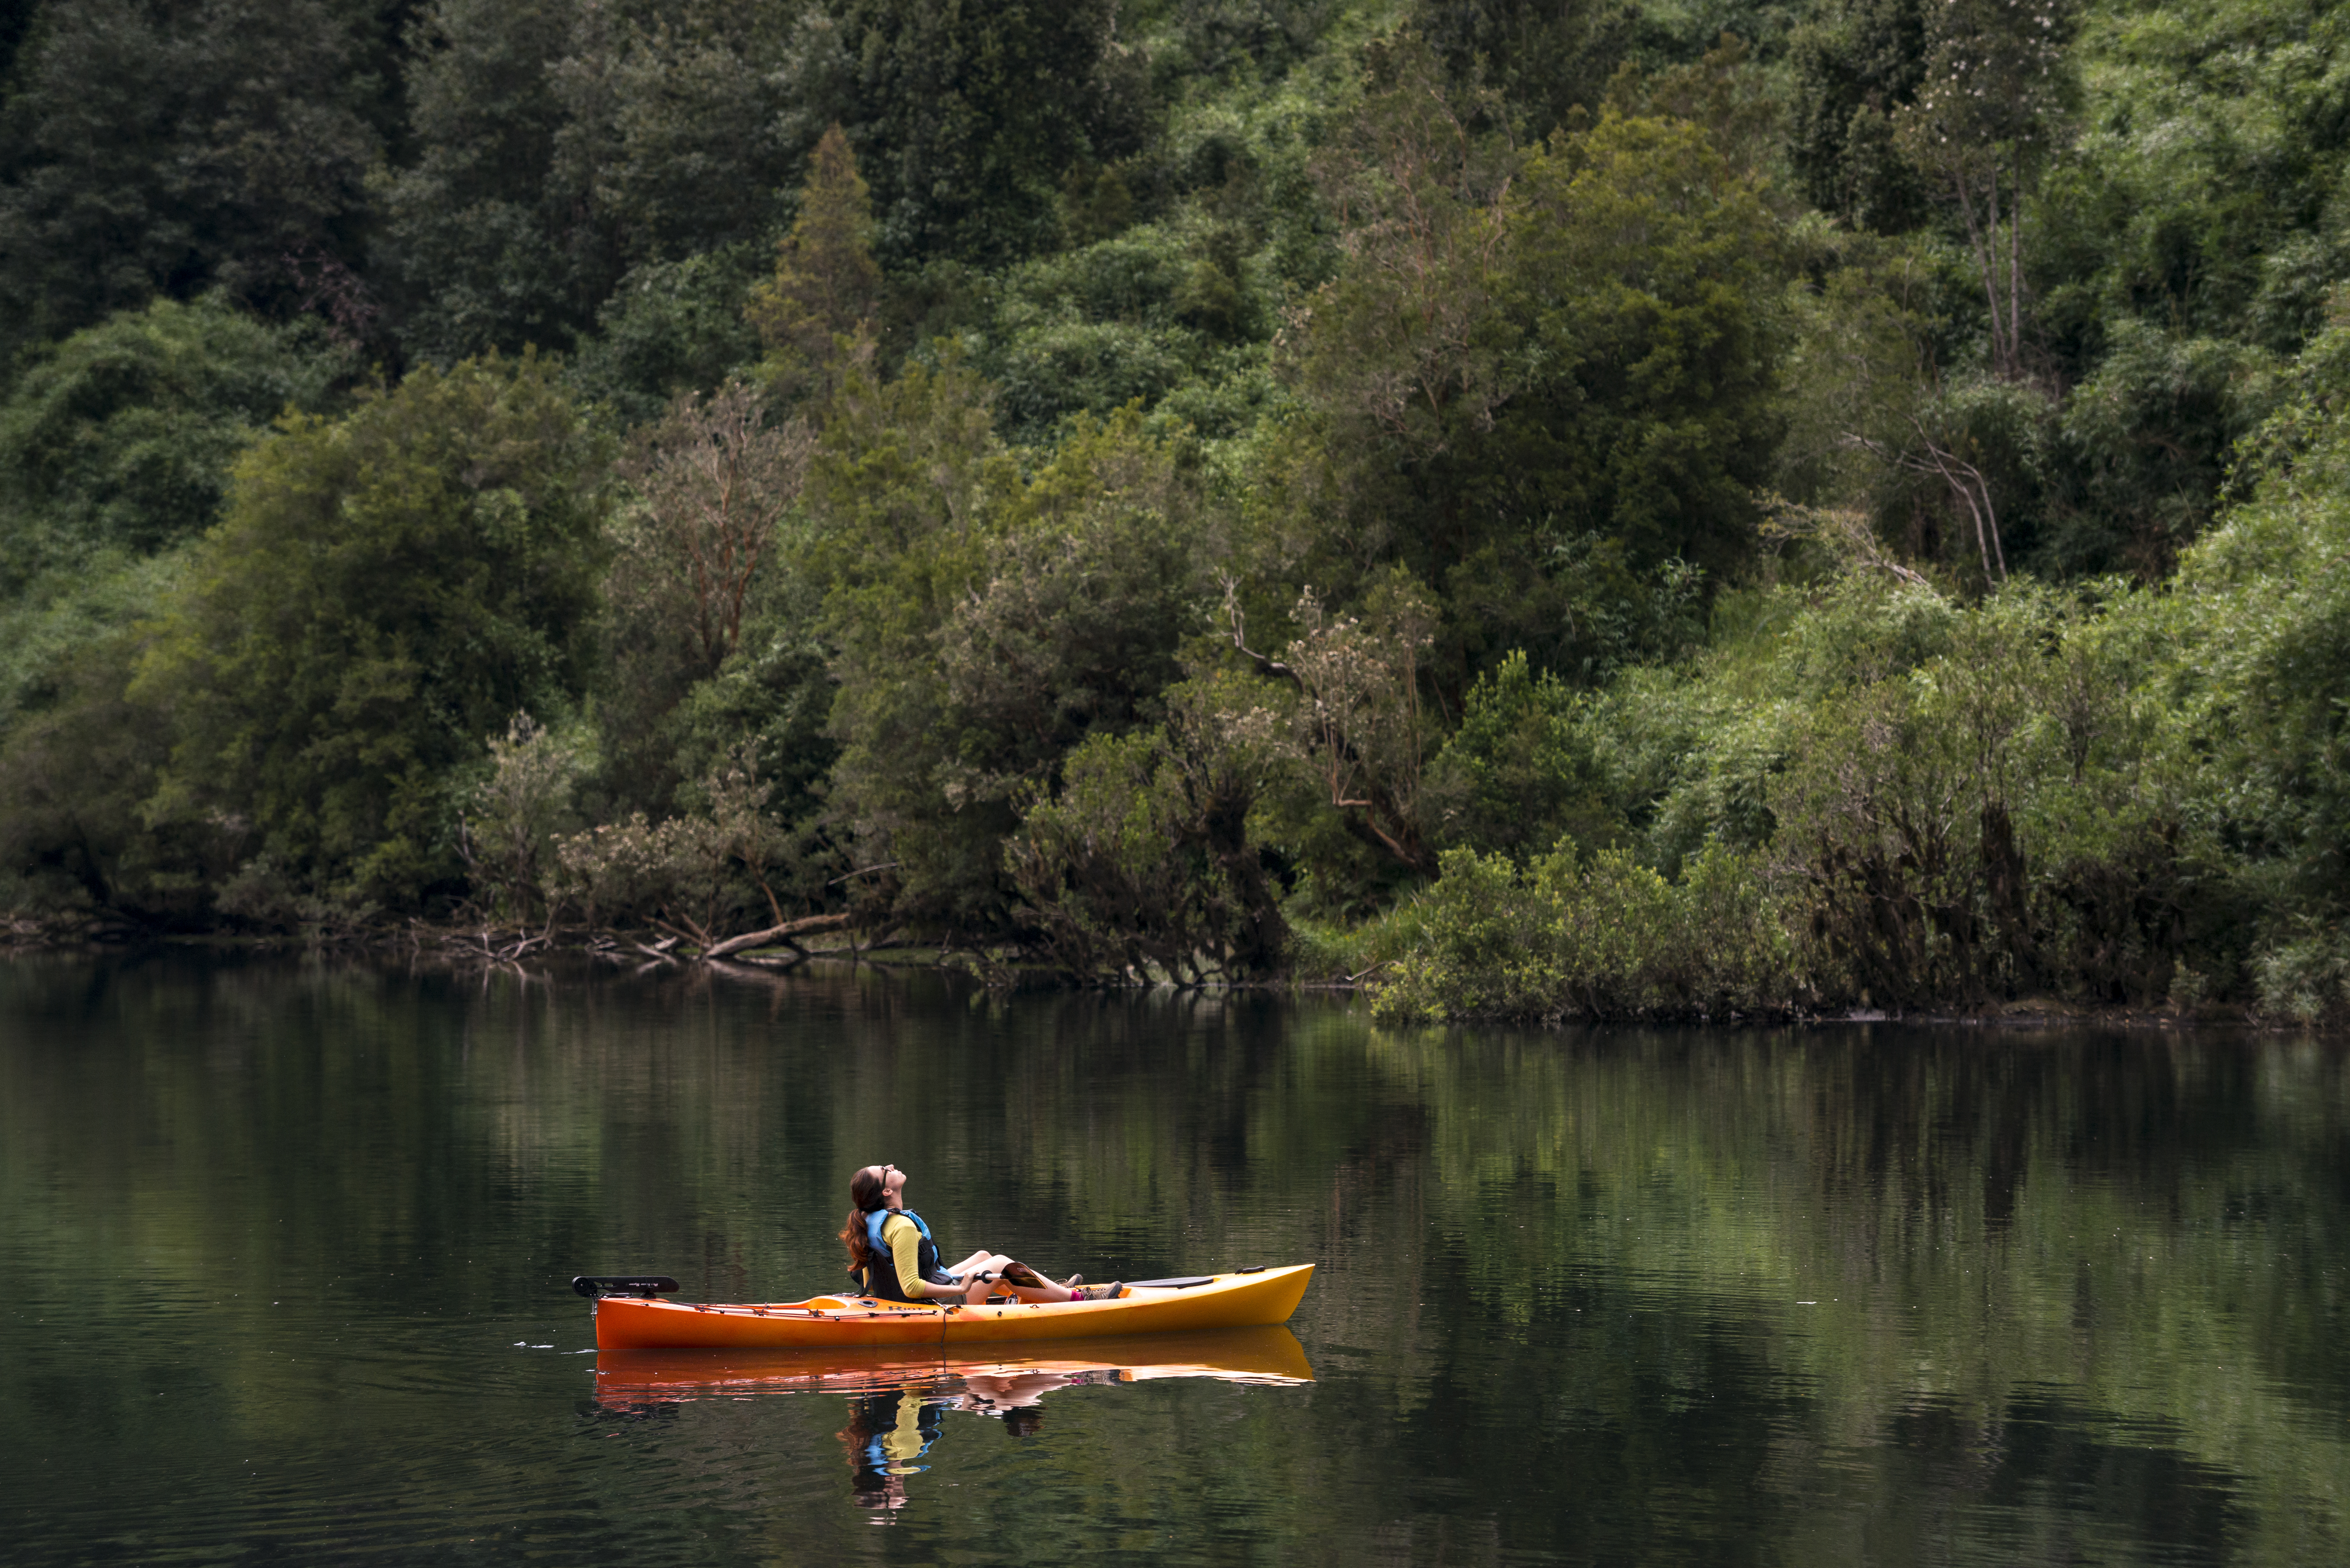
(905, 1241)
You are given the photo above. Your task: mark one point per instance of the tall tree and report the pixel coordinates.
(1538, 374)
(1545, 58)
(1642, 262)
(1406, 341)
(673, 127)
(118, 440)
(1856, 63)
(386, 592)
(826, 285)
(148, 148)
(557, 144)
(1988, 106)
(483, 248)
(965, 115)
(713, 480)
(982, 624)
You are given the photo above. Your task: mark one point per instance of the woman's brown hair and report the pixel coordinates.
(865, 1192)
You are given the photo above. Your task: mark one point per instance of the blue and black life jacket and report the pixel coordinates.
(881, 1275)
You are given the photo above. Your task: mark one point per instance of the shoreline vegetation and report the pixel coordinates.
(1539, 513)
(457, 948)
(476, 947)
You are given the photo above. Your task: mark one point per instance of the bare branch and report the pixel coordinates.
(714, 478)
(1239, 629)
(783, 933)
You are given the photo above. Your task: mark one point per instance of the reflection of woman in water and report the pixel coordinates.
(1016, 1397)
(891, 1254)
(888, 1429)
(891, 1428)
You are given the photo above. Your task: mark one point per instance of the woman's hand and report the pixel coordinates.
(973, 1290)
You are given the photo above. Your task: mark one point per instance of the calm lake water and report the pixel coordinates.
(288, 1247)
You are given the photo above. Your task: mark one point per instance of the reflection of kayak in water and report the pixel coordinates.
(899, 1395)
(1217, 1300)
(1267, 1355)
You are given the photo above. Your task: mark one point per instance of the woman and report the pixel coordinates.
(891, 1254)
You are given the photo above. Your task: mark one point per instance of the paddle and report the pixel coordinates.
(594, 1285)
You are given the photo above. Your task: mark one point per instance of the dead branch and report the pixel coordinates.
(1239, 628)
(780, 933)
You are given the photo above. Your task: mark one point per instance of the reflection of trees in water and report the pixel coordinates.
(1525, 1239)
(2120, 1233)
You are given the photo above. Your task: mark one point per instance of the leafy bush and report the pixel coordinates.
(698, 876)
(2306, 979)
(1130, 277)
(1054, 370)
(1520, 773)
(385, 589)
(120, 438)
(984, 624)
(1597, 936)
(669, 328)
(509, 822)
(1141, 866)
(74, 779)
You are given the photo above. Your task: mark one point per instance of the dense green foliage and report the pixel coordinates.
(1874, 454)
(115, 446)
(967, 116)
(117, 440)
(387, 590)
(151, 149)
(2110, 792)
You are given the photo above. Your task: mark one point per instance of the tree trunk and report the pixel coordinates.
(783, 933)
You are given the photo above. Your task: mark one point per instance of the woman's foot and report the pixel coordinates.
(1072, 1281)
(1108, 1293)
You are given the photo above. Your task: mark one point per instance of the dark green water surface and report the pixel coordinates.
(287, 1244)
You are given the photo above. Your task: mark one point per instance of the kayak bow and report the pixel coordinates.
(1217, 1300)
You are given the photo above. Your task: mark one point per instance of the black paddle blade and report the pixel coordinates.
(594, 1285)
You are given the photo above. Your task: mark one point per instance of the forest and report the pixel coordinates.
(1542, 509)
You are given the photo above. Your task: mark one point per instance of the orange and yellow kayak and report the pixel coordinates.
(1217, 1300)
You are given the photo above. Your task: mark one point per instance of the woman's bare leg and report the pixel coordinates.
(993, 1263)
(976, 1290)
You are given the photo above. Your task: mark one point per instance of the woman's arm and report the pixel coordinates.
(906, 1254)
